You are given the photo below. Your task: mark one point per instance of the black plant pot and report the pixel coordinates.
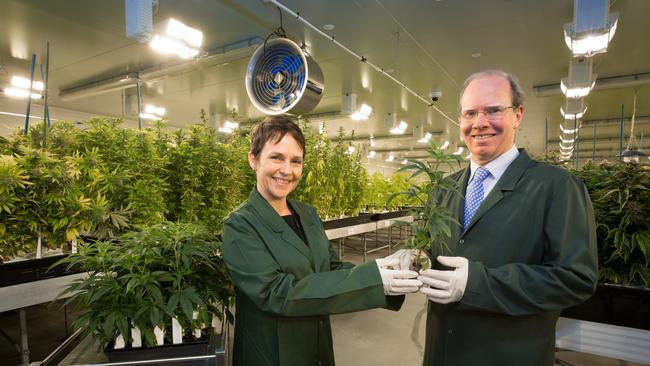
(617, 305)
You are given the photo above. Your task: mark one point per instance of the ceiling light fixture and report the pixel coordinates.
(399, 129)
(569, 131)
(426, 138)
(592, 29)
(581, 79)
(20, 93)
(151, 112)
(178, 39)
(574, 109)
(228, 126)
(23, 83)
(21, 88)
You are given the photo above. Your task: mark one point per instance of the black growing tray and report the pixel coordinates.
(624, 306)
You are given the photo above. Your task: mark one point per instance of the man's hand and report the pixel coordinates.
(445, 287)
(397, 282)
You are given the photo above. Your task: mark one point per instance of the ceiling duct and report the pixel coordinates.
(139, 19)
(216, 56)
(281, 78)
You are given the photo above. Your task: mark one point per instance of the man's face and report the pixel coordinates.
(489, 137)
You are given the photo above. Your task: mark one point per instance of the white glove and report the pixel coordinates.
(396, 282)
(407, 256)
(446, 286)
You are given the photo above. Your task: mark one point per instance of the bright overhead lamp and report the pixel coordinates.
(349, 106)
(394, 127)
(151, 112)
(23, 83)
(459, 151)
(158, 111)
(228, 126)
(569, 131)
(592, 28)
(149, 116)
(581, 79)
(178, 39)
(574, 109)
(567, 141)
(20, 93)
(426, 138)
(399, 129)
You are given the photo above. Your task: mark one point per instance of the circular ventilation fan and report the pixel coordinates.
(280, 78)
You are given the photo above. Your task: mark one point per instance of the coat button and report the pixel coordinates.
(461, 241)
(449, 331)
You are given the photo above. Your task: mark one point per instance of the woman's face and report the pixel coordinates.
(278, 168)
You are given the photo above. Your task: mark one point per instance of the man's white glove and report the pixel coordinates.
(445, 286)
(395, 281)
(407, 256)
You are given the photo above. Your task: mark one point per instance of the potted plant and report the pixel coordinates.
(432, 223)
(144, 286)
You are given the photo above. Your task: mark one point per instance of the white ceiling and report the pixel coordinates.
(428, 44)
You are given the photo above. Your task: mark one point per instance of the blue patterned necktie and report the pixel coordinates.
(474, 195)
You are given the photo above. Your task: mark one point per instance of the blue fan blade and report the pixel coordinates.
(277, 97)
(295, 64)
(271, 85)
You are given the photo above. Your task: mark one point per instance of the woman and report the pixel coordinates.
(287, 276)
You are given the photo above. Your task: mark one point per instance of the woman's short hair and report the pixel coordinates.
(274, 128)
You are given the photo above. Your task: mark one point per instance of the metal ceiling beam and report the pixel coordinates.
(623, 81)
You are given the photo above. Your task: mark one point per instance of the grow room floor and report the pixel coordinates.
(375, 337)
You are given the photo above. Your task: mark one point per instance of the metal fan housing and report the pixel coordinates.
(281, 78)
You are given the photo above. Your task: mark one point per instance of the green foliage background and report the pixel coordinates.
(620, 193)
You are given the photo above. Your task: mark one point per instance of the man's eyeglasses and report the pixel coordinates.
(491, 113)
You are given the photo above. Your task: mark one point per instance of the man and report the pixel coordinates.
(525, 247)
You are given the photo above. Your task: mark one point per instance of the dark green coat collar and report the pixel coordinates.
(267, 214)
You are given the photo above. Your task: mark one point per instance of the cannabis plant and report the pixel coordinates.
(620, 193)
(146, 278)
(432, 223)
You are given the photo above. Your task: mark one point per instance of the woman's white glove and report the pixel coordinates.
(397, 281)
(407, 256)
(446, 286)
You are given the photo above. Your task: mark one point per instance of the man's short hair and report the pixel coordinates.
(274, 128)
(516, 93)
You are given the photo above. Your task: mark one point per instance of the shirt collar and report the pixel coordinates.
(499, 165)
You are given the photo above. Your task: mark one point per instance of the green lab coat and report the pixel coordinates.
(285, 289)
(531, 248)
